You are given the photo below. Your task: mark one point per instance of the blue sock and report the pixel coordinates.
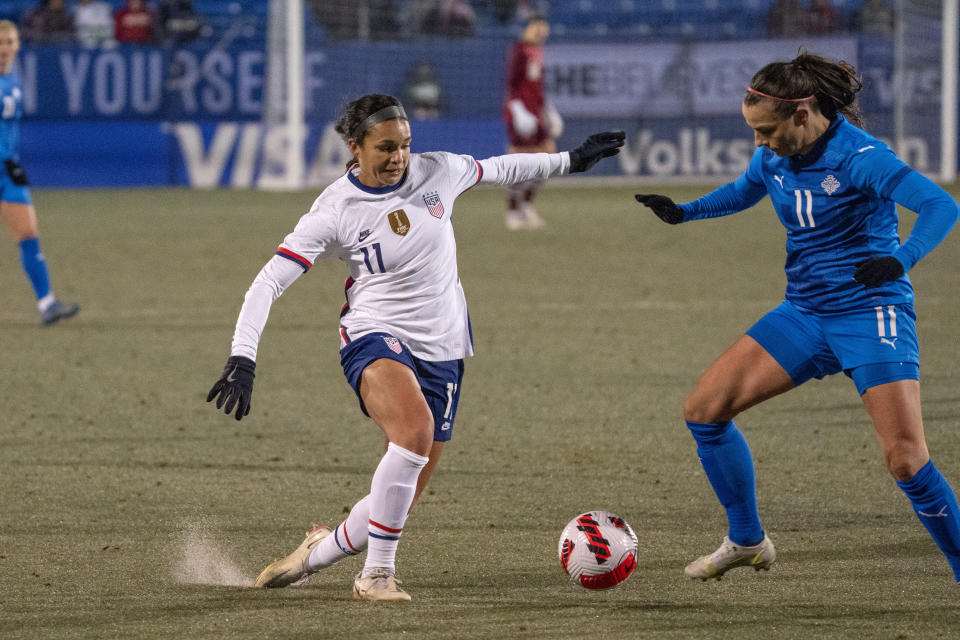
(35, 266)
(725, 456)
(935, 504)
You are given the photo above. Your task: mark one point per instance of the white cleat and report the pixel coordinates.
(294, 569)
(730, 556)
(379, 584)
(533, 219)
(515, 220)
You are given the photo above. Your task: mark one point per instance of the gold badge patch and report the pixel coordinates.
(399, 222)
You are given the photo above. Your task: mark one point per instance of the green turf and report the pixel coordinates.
(588, 334)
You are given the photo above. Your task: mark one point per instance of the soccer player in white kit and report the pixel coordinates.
(404, 330)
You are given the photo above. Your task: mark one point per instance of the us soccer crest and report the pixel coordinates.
(393, 343)
(399, 222)
(434, 205)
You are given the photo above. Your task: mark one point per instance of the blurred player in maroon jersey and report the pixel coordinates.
(532, 123)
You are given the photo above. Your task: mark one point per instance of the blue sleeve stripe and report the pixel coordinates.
(898, 176)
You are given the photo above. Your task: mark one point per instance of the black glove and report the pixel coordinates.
(597, 146)
(235, 386)
(664, 207)
(873, 272)
(17, 175)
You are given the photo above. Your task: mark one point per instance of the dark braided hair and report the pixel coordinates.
(833, 85)
(358, 111)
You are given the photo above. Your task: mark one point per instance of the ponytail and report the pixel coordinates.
(833, 85)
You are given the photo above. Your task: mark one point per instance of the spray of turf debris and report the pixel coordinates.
(198, 560)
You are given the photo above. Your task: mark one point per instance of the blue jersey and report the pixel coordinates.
(11, 108)
(837, 205)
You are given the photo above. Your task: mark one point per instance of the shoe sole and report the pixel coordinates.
(765, 566)
(276, 582)
(60, 316)
(363, 596)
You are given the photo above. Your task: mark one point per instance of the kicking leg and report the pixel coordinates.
(393, 399)
(741, 377)
(350, 536)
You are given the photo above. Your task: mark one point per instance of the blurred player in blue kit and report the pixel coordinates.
(16, 207)
(849, 302)
(404, 331)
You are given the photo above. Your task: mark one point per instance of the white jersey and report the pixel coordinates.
(399, 248)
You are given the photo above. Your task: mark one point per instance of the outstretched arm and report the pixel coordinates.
(744, 192)
(520, 167)
(235, 386)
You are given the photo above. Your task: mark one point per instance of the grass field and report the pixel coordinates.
(130, 508)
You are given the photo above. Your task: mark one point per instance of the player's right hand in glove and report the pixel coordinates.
(235, 386)
(597, 146)
(665, 208)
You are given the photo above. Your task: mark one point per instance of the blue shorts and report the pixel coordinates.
(872, 346)
(439, 381)
(10, 192)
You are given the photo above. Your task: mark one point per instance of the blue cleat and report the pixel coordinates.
(59, 310)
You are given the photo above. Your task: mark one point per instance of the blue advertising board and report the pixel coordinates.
(194, 116)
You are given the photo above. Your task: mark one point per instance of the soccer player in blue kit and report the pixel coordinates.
(16, 207)
(849, 303)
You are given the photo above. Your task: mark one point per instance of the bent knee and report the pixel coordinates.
(414, 433)
(905, 459)
(699, 407)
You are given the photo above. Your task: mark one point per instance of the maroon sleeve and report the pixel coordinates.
(516, 71)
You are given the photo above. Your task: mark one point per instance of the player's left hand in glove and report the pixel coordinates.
(597, 146)
(235, 386)
(17, 175)
(873, 272)
(665, 208)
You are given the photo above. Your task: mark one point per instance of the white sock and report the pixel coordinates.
(348, 539)
(391, 494)
(44, 303)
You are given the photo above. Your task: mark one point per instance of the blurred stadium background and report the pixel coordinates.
(671, 72)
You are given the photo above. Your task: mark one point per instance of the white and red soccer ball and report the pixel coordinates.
(598, 550)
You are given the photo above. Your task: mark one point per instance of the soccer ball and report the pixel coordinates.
(598, 550)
